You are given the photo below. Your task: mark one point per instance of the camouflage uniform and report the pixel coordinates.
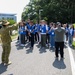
(6, 42)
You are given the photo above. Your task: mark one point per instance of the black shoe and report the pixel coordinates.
(31, 47)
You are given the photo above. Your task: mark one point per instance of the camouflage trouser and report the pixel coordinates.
(6, 52)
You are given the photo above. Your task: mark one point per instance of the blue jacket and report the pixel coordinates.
(22, 30)
(27, 23)
(43, 29)
(31, 29)
(36, 27)
(49, 29)
(39, 26)
(71, 32)
(52, 33)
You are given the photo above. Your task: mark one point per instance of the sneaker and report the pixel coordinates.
(46, 45)
(31, 47)
(8, 63)
(39, 42)
(22, 45)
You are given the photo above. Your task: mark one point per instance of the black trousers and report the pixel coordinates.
(22, 39)
(32, 39)
(36, 36)
(59, 45)
(27, 36)
(43, 40)
(47, 38)
(18, 38)
(66, 36)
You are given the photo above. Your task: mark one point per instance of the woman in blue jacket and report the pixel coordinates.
(52, 38)
(22, 32)
(70, 34)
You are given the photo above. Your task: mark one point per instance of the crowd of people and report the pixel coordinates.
(43, 33)
(54, 35)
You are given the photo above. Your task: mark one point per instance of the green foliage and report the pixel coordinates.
(53, 10)
(11, 22)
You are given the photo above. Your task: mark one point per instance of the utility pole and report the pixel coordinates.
(40, 14)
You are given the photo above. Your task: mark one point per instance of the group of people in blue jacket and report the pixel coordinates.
(34, 32)
(54, 35)
(43, 33)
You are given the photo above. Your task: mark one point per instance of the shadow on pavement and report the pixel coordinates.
(72, 47)
(65, 46)
(10, 74)
(52, 49)
(19, 47)
(42, 50)
(27, 45)
(38, 45)
(59, 64)
(29, 51)
(2, 68)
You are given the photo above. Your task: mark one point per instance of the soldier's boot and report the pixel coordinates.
(9, 63)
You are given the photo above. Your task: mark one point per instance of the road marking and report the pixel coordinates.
(72, 61)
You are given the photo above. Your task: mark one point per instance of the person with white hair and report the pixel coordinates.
(43, 30)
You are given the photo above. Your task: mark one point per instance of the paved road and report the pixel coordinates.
(36, 62)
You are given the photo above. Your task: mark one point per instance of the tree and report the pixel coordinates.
(53, 10)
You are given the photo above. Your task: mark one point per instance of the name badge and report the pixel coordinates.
(22, 31)
(52, 33)
(42, 30)
(30, 30)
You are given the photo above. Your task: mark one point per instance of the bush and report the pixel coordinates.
(11, 22)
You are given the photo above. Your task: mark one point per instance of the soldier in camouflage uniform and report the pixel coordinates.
(6, 41)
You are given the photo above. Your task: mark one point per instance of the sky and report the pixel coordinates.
(13, 7)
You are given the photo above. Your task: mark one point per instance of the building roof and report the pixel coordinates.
(7, 14)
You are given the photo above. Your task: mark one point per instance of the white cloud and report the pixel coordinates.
(13, 6)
